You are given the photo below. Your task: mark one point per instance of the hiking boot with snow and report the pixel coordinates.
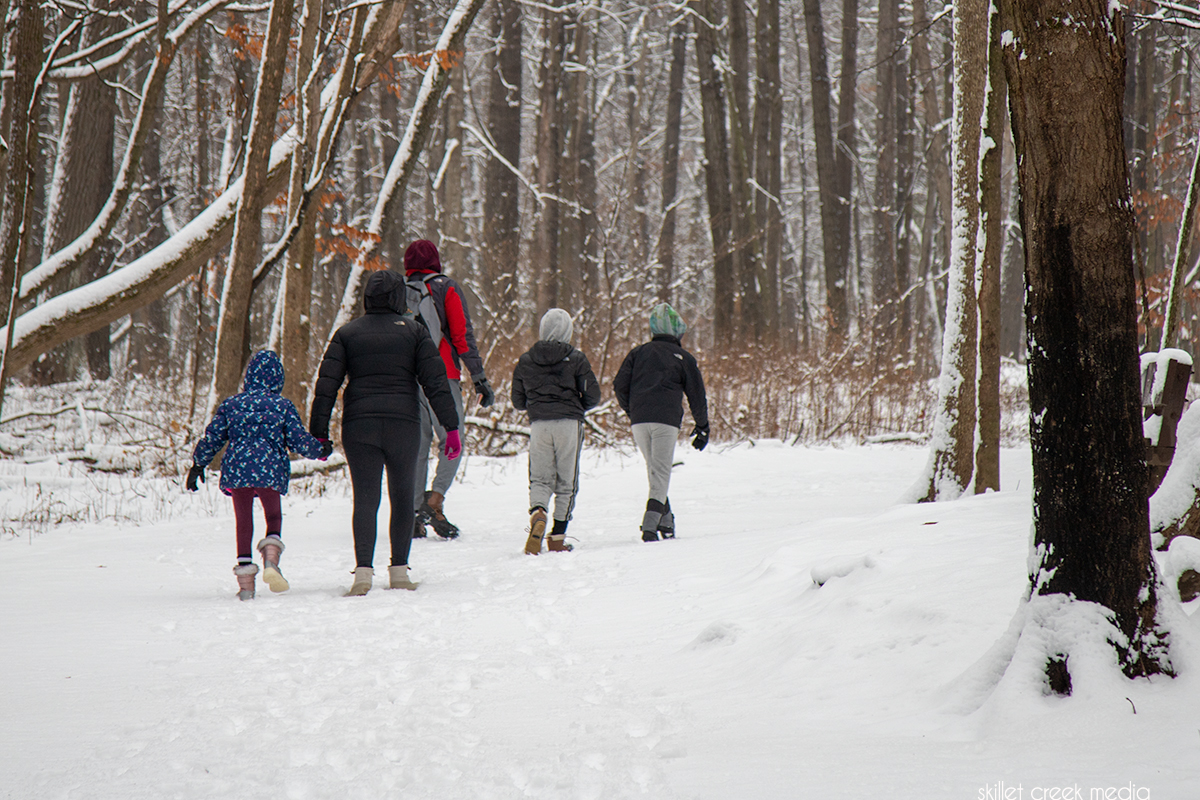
(431, 510)
(362, 582)
(666, 525)
(537, 529)
(245, 578)
(557, 541)
(398, 578)
(271, 547)
(419, 526)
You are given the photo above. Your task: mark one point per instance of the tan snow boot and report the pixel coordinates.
(557, 543)
(537, 529)
(362, 582)
(271, 547)
(398, 578)
(245, 578)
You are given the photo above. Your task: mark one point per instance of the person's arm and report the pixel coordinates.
(518, 389)
(215, 437)
(330, 376)
(431, 374)
(693, 387)
(296, 439)
(586, 383)
(622, 380)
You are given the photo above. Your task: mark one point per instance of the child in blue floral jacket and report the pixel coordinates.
(261, 427)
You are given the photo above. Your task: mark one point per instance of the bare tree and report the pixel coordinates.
(952, 443)
(1065, 65)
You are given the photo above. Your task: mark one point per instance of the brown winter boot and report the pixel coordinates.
(537, 529)
(271, 547)
(556, 542)
(245, 577)
(431, 509)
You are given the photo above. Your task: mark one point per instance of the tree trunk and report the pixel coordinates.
(885, 285)
(939, 163)
(905, 173)
(83, 179)
(670, 175)
(549, 153)
(846, 151)
(21, 135)
(501, 215)
(768, 167)
(1066, 71)
(953, 438)
(233, 346)
(987, 456)
(835, 217)
(298, 273)
(716, 168)
(741, 170)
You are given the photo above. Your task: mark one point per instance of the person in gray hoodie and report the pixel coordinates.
(555, 384)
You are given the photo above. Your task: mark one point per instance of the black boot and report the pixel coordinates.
(666, 525)
(650, 520)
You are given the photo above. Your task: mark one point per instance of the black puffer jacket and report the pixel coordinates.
(653, 379)
(385, 355)
(553, 380)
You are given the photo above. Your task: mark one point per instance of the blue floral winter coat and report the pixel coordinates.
(261, 427)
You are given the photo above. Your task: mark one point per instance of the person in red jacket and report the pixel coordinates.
(438, 301)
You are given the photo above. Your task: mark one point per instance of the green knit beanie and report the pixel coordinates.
(664, 321)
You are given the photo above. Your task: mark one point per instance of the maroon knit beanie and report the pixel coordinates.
(422, 256)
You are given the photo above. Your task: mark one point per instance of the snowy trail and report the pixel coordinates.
(708, 667)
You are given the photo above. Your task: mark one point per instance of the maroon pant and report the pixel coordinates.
(243, 514)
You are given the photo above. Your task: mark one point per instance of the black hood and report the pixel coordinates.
(384, 292)
(545, 353)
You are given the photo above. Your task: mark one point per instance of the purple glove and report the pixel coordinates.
(453, 445)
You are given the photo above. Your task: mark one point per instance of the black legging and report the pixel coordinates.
(370, 445)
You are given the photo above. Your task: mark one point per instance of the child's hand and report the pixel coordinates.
(326, 449)
(700, 437)
(196, 473)
(453, 445)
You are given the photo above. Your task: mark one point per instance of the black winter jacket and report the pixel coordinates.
(653, 379)
(385, 355)
(554, 381)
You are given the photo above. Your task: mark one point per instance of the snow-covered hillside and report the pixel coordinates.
(713, 666)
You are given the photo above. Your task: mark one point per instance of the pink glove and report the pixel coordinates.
(453, 445)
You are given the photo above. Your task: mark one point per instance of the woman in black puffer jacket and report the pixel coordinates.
(385, 355)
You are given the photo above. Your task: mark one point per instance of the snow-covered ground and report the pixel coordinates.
(708, 667)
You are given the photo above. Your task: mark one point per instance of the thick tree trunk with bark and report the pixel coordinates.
(501, 215)
(670, 175)
(987, 455)
(952, 443)
(768, 168)
(21, 135)
(1065, 65)
(716, 168)
(884, 281)
(296, 322)
(835, 215)
(549, 160)
(233, 346)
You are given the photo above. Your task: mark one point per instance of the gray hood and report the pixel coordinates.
(556, 326)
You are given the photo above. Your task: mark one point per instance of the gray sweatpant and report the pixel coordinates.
(657, 440)
(554, 449)
(443, 476)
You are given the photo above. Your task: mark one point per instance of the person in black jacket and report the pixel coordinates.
(553, 382)
(385, 355)
(650, 386)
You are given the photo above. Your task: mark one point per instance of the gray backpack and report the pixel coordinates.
(422, 306)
